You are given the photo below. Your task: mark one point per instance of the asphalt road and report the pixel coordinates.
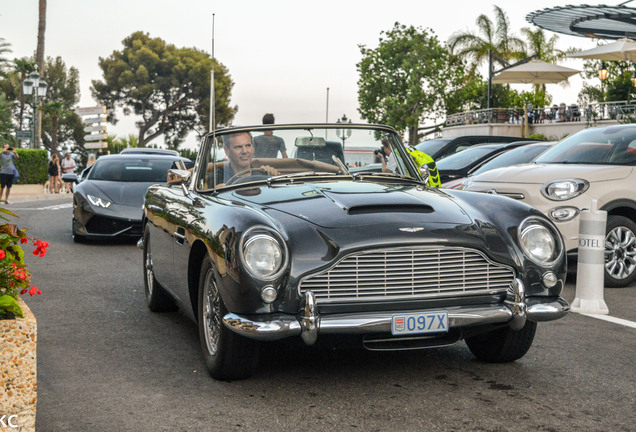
(106, 363)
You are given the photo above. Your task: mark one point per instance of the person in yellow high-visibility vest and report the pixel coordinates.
(422, 158)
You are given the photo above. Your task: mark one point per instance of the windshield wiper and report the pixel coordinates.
(382, 174)
(301, 174)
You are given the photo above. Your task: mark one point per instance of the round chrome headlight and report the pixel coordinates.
(539, 243)
(263, 253)
(562, 190)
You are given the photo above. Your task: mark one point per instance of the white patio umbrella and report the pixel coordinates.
(534, 72)
(620, 50)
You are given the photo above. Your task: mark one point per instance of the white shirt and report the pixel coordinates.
(68, 165)
(391, 163)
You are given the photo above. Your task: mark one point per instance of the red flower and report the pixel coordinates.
(24, 240)
(33, 290)
(23, 291)
(3, 254)
(40, 247)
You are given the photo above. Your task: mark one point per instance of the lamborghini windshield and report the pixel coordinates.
(241, 155)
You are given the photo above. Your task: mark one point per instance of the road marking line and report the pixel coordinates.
(612, 319)
(53, 207)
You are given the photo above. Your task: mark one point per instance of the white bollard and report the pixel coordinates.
(590, 269)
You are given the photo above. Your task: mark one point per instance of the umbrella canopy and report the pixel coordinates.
(534, 72)
(622, 49)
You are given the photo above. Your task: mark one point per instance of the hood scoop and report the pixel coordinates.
(383, 208)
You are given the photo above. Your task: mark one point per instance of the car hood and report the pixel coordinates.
(348, 204)
(542, 173)
(121, 193)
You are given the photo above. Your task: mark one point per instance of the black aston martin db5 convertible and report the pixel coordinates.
(263, 249)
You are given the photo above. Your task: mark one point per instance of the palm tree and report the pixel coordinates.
(39, 54)
(538, 44)
(496, 37)
(545, 49)
(4, 49)
(39, 60)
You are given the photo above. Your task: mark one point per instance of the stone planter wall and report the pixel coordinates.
(18, 371)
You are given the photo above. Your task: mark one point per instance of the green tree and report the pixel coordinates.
(5, 48)
(60, 124)
(617, 86)
(490, 36)
(129, 141)
(403, 81)
(168, 87)
(11, 86)
(6, 124)
(544, 48)
(538, 43)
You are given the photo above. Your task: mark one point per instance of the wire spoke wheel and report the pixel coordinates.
(157, 299)
(150, 275)
(211, 313)
(227, 355)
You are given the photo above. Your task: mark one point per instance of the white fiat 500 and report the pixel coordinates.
(597, 163)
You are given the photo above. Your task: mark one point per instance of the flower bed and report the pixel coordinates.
(18, 330)
(18, 370)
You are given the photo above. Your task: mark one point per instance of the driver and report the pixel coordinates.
(239, 150)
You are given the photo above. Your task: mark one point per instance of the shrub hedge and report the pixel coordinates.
(33, 166)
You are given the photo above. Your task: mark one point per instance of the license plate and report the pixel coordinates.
(417, 323)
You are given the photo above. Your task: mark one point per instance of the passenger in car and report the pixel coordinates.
(268, 145)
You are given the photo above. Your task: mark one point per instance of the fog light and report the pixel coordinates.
(268, 294)
(563, 214)
(549, 279)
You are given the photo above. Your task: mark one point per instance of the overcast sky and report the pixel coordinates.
(282, 55)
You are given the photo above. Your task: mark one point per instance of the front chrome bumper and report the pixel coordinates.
(515, 310)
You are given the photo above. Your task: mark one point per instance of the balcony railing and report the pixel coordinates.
(622, 111)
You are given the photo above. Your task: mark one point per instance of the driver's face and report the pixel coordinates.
(240, 151)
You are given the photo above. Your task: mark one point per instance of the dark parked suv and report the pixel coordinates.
(441, 147)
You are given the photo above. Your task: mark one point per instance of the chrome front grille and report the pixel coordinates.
(435, 272)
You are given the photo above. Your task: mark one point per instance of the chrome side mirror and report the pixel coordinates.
(424, 172)
(178, 177)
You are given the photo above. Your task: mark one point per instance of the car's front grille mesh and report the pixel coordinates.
(409, 273)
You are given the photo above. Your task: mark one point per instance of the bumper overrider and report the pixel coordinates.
(514, 311)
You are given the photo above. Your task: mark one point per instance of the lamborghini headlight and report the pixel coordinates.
(263, 253)
(99, 202)
(540, 242)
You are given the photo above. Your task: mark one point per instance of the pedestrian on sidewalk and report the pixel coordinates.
(55, 182)
(7, 167)
(68, 167)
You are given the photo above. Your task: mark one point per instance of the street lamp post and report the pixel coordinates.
(343, 133)
(603, 73)
(34, 85)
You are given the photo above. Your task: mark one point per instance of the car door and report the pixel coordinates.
(161, 241)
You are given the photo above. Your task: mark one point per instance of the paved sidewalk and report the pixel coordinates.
(32, 192)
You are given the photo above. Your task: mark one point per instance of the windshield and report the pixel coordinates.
(131, 170)
(257, 154)
(465, 158)
(614, 145)
(517, 156)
